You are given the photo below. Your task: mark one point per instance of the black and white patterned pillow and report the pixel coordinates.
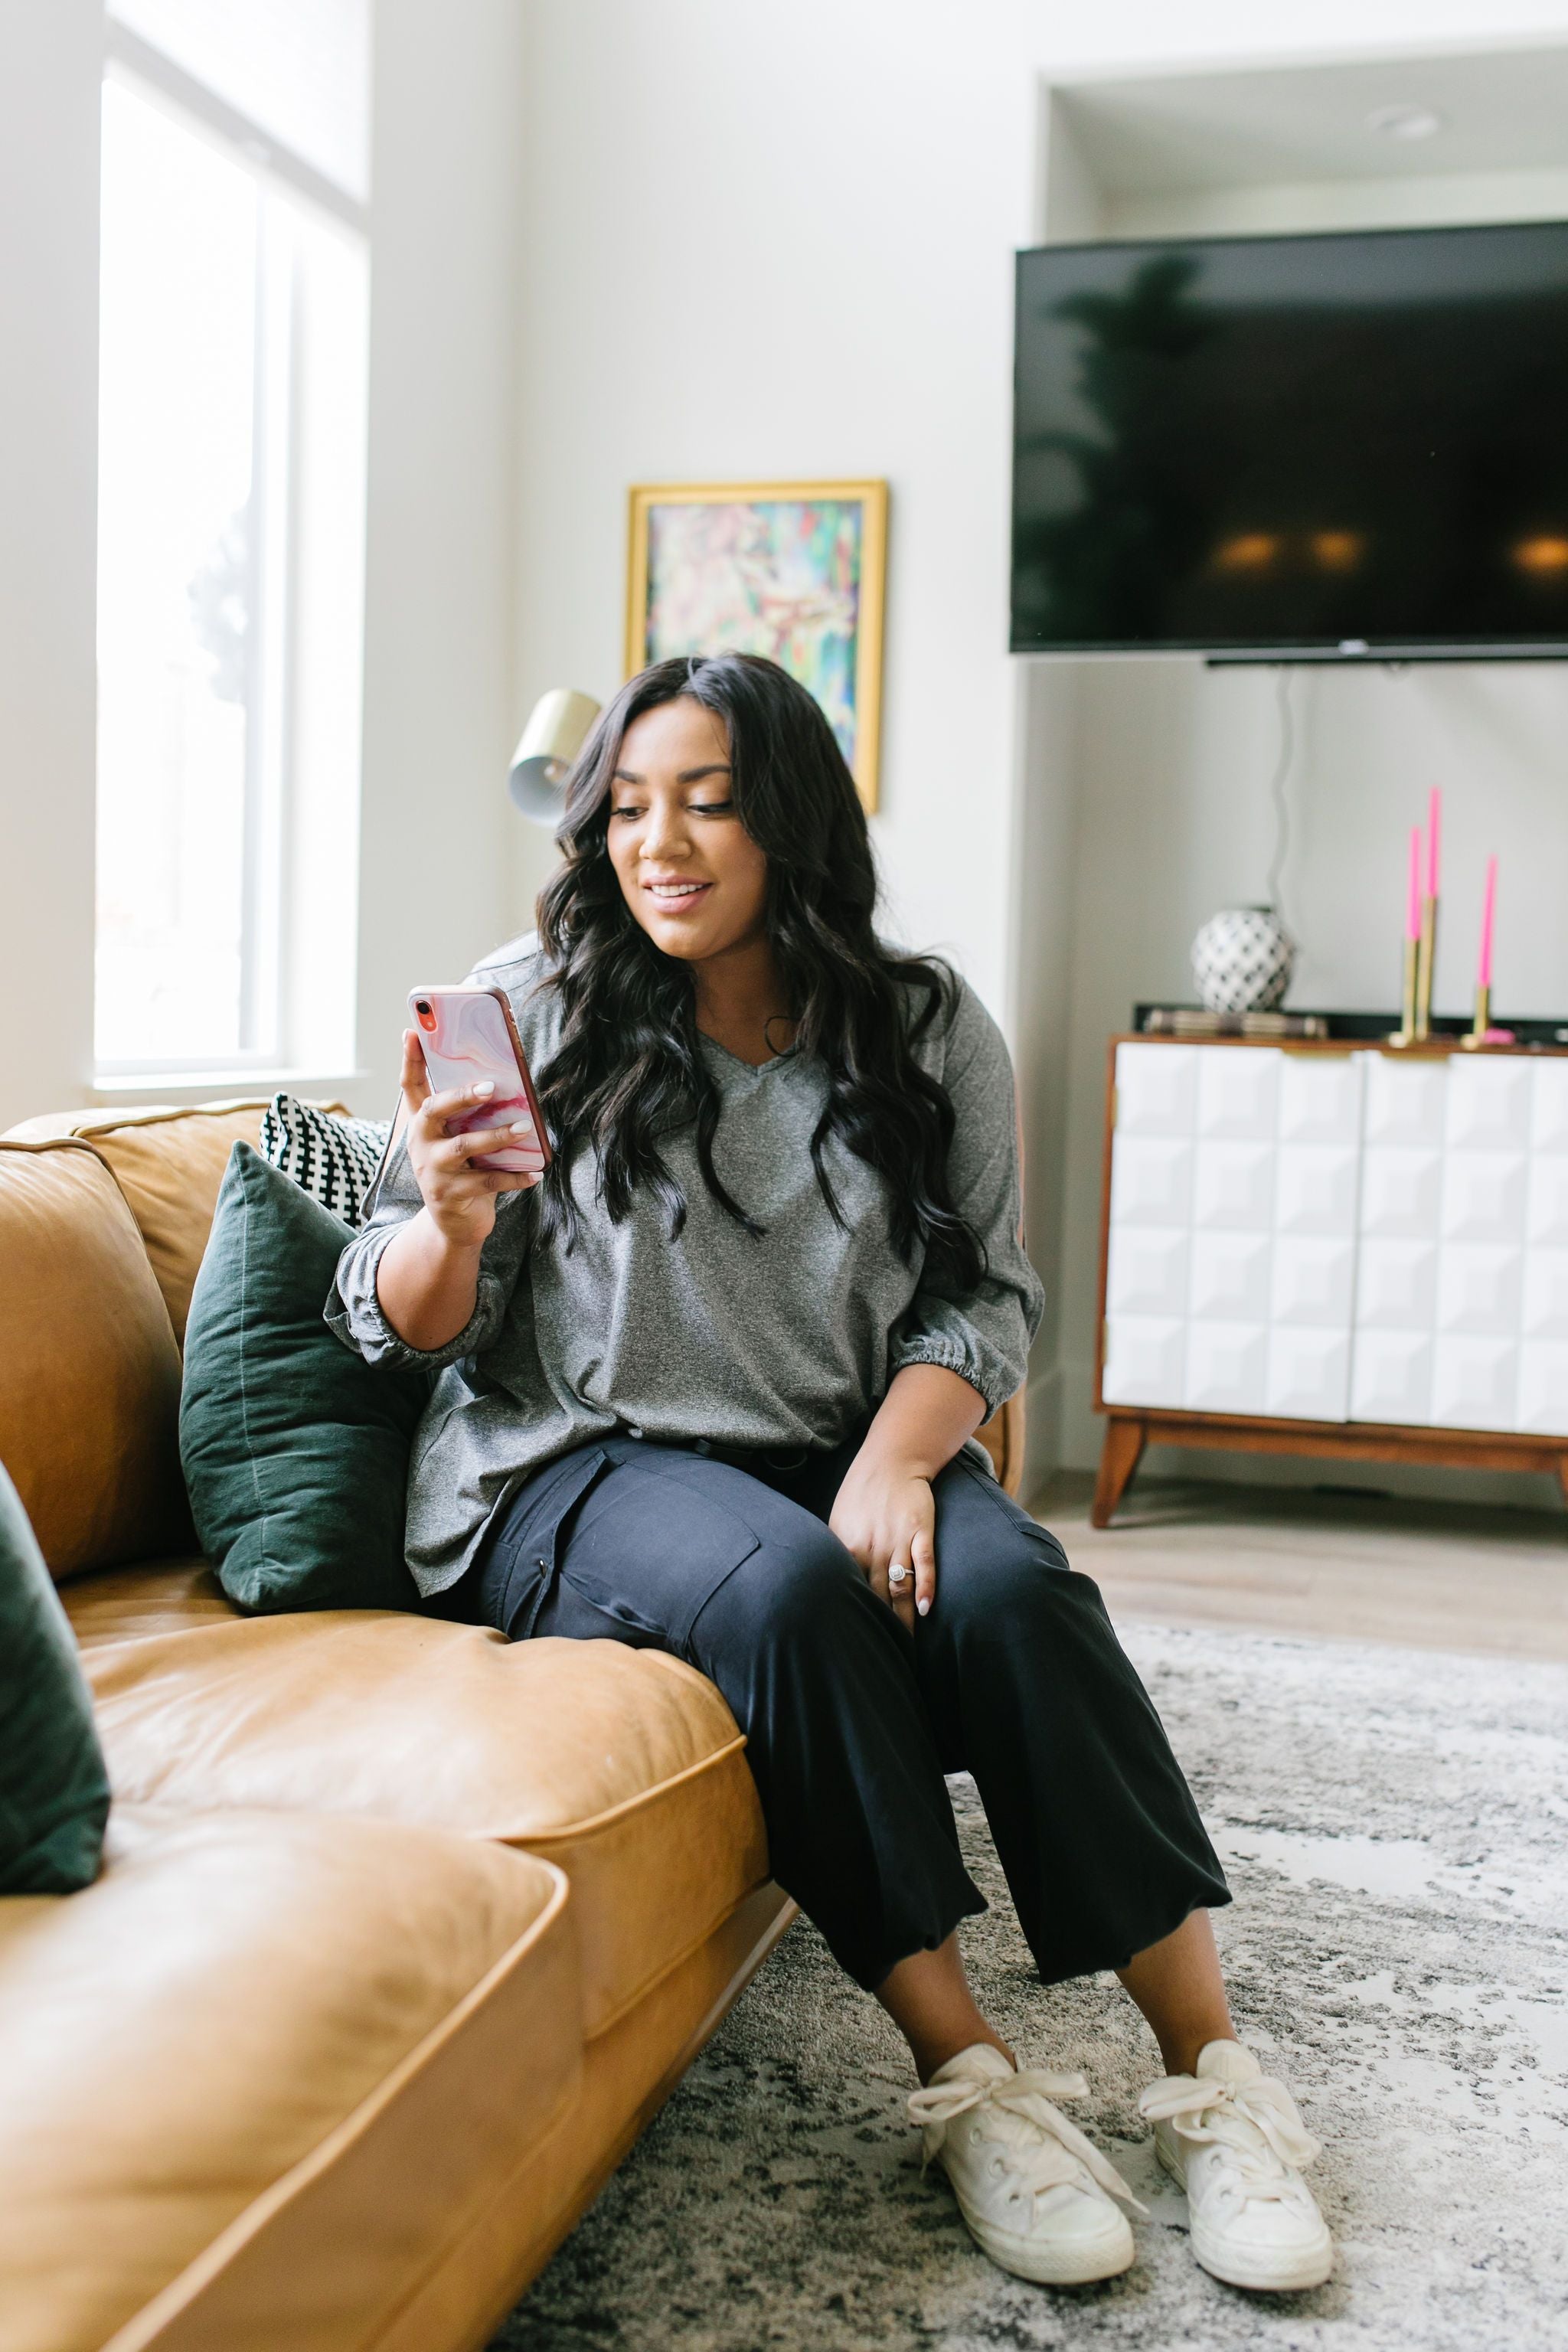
(332, 1158)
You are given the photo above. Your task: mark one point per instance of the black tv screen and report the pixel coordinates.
(1316, 446)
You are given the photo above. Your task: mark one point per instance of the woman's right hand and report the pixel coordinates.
(460, 1198)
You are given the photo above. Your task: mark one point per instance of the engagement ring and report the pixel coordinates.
(898, 1576)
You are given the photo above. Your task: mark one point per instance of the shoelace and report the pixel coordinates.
(1256, 2123)
(1052, 2162)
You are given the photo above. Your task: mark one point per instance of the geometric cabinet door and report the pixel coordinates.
(1454, 1274)
(1231, 1231)
(1150, 1213)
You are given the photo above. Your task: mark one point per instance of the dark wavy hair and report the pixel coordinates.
(628, 1069)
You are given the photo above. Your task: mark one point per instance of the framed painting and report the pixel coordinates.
(794, 570)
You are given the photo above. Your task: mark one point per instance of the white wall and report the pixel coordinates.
(766, 244)
(50, 63)
(771, 245)
(439, 628)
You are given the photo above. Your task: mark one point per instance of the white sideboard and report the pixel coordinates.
(1368, 1249)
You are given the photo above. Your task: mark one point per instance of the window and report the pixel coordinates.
(231, 534)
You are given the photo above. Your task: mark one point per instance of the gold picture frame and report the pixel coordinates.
(839, 659)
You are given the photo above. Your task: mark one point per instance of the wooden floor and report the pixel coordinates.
(1351, 1568)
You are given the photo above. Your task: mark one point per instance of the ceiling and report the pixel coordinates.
(1501, 110)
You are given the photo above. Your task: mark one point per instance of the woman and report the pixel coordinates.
(714, 1386)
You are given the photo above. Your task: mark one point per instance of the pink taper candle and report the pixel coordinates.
(1413, 906)
(1434, 821)
(1489, 912)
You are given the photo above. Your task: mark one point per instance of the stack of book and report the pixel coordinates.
(1187, 1021)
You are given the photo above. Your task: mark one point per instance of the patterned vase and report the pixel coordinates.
(1242, 960)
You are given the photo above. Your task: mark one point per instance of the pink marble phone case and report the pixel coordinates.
(464, 1035)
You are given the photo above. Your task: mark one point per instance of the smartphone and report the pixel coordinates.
(468, 1034)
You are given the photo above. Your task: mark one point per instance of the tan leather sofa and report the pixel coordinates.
(404, 1932)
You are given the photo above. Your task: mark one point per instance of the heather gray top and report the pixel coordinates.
(777, 1343)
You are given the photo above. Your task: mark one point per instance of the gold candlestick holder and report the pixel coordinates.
(1424, 964)
(1481, 1028)
(1405, 1032)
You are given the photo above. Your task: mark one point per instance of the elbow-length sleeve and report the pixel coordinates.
(354, 1307)
(984, 1335)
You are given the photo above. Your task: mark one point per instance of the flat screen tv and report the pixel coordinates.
(1333, 446)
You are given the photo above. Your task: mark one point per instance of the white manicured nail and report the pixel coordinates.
(522, 1127)
(484, 1086)
(924, 1607)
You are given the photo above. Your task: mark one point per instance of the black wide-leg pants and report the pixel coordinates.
(850, 1720)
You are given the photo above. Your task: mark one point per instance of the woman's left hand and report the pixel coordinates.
(885, 1515)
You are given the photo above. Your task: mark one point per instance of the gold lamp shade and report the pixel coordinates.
(556, 731)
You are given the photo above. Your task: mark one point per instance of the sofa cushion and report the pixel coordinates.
(256, 2076)
(295, 1450)
(333, 1158)
(90, 1375)
(624, 1766)
(54, 1792)
(169, 1165)
(119, 1604)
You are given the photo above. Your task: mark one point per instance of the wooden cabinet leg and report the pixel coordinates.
(1125, 1436)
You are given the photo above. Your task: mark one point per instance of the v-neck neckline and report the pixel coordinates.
(753, 1069)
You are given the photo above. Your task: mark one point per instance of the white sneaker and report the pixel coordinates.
(1231, 2136)
(1037, 2195)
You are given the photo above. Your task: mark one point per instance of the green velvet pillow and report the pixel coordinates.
(54, 1790)
(295, 1450)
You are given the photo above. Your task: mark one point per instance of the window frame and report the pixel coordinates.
(266, 1047)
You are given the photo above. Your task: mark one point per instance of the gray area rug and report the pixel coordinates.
(1396, 1828)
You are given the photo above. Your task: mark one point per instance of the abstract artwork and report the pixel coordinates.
(792, 570)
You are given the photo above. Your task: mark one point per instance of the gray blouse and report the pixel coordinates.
(776, 1343)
